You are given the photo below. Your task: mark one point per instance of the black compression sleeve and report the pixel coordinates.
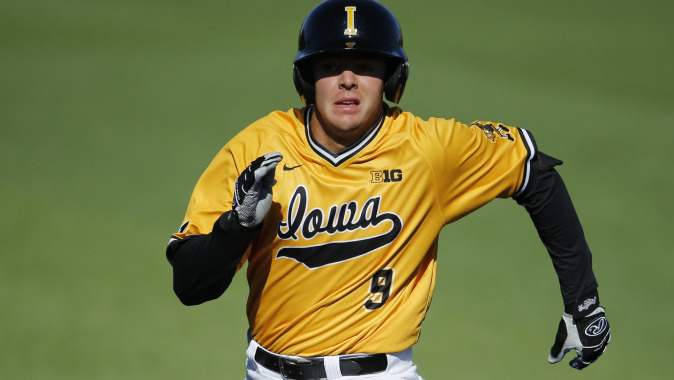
(204, 265)
(551, 210)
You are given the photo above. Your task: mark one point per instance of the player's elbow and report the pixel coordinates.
(186, 298)
(189, 292)
(192, 293)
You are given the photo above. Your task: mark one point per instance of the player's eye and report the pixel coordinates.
(330, 68)
(364, 68)
(370, 68)
(334, 68)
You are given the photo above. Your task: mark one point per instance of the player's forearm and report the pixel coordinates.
(204, 265)
(552, 212)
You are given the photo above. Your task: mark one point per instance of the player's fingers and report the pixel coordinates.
(265, 161)
(268, 164)
(273, 156)
(267, 182)
(560, 347)
(578, 363)
(555, 358)
(271, 159)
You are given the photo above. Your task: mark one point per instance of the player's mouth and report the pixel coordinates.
(347, 104)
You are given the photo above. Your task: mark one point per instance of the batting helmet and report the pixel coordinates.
(351, 25)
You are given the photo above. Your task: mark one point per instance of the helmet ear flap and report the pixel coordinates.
(304, 88)
(395, 84)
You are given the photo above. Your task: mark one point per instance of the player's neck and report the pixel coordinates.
(338, 139)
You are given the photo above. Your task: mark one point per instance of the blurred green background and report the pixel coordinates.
(110, 111)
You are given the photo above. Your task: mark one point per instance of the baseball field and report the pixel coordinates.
(110, 111)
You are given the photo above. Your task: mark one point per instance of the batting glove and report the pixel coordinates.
(588, 335)
(253, 190)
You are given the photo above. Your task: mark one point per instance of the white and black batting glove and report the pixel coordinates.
(253, 190)
(586, 332)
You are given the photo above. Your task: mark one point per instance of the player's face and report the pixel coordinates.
(348, 101)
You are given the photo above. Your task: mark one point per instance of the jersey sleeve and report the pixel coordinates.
(478, 162)
(211, 197)
(213, 194)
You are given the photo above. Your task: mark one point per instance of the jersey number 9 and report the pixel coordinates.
(380, 288)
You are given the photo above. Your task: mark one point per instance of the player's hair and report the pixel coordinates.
(351, 25)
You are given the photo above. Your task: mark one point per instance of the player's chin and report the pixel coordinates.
(348, 122)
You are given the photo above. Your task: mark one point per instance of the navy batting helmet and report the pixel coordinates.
(351, 25)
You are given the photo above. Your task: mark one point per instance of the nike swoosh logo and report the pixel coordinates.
(289, 168)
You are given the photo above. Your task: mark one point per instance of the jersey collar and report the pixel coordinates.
(343, 155)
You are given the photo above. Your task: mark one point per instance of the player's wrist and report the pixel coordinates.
(583, 306)
(229, 222)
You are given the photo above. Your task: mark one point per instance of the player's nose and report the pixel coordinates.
(348, 79)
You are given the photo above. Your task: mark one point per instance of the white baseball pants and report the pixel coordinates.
(399, 367)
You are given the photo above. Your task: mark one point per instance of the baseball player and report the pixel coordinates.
(337, 207)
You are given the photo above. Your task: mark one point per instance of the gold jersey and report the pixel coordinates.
(346, 259)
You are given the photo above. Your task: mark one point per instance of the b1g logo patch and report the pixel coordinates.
(385, 176)
(492, 132)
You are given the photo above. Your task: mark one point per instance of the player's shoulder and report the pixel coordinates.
(269, 133)
(405, 122)
(278, 121)
(408, 122)
(274, 124)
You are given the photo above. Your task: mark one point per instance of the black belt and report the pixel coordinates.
(314, 368)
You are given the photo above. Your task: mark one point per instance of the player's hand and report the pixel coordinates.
(588, 335)
(252, 190)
